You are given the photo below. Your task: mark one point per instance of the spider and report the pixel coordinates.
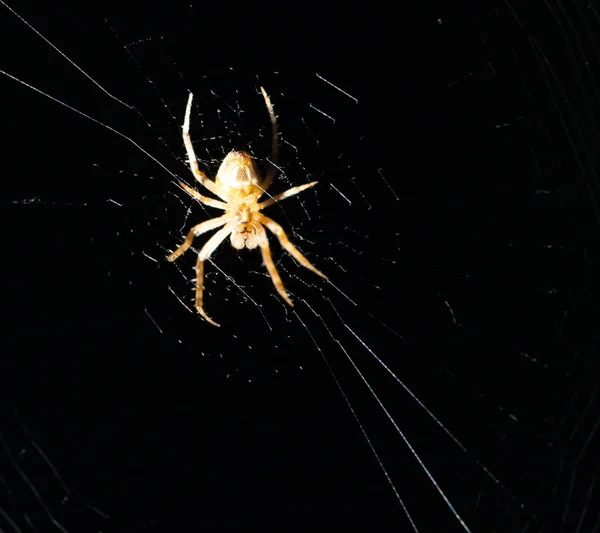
(239, 185)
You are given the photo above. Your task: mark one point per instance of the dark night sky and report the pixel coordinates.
(456, 216)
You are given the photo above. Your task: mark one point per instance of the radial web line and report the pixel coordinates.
(353, 412)
(63, 54)
(406, 441)
(89, 118)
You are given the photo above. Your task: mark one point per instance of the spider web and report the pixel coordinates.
(445, 379)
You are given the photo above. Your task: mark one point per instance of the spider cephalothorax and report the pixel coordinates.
(239, 185)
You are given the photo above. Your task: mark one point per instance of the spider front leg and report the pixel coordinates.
(198, 174)
(201, 198)
(271, 173)
(286, 194)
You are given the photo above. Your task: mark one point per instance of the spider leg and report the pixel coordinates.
(203, 255)
(201, 198)
(286, 194)
(198, 174)
(277, 230)
(263, 242)
(271, 173)
(199, 229)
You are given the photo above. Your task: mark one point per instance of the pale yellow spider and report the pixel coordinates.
(238, 183)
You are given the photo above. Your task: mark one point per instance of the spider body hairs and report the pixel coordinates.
(239, 185)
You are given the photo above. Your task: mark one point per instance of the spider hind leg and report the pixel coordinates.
(268, 260)
(287, 245)
(203, 255)
(199, 287)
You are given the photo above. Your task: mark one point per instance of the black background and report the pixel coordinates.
(484, 121)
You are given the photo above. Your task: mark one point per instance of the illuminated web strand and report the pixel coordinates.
(8, 453)
(406, 441)
(422, 405)
(362, 429)
(25, 478)
(88, 117)
(242, 290)
(411, 393)
(90, 78)
(336, 87)
(63, 54)
(9, 520)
